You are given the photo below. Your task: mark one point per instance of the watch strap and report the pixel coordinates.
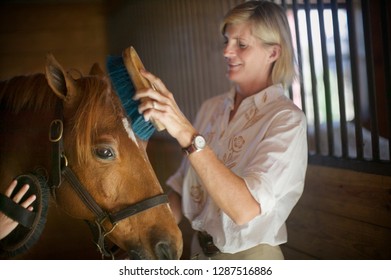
(192, 147)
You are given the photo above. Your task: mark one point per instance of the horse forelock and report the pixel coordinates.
(27, 92)
(95, 110)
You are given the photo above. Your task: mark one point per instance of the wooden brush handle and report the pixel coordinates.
(133, 65)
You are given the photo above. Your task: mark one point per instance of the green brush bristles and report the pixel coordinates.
(125, 90)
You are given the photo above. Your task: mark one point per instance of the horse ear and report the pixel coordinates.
(96, 70)
(59, 81)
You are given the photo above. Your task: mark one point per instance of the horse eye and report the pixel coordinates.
(104, 153)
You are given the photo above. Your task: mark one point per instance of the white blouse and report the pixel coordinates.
(266, 144)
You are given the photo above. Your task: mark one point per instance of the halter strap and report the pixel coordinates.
(87, 199)
(16, 212)
(138, 207)
(56, 131)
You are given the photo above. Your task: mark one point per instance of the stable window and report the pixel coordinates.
(342, 91)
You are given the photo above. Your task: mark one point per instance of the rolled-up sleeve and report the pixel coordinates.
(276, 172)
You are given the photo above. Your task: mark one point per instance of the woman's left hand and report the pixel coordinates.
(7, 225)
(160, 105)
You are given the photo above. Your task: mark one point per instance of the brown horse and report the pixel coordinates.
(103, 173)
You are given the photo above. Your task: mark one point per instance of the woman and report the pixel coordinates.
(247, 151)
(7, 225)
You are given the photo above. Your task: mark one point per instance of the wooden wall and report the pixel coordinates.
(74, 32)
(342, 214)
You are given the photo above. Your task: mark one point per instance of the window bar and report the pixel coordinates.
(313, 77)
(299, 57)
(326, 79)
(371, 83)
(284, 6)
(385, 23)
(340, 79)
(355, 79)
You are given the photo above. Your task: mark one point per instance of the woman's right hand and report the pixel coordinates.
(160, 105)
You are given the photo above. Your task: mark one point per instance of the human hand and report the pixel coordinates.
(160, 105)
(7, 225)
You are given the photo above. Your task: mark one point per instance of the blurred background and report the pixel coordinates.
(342, 49)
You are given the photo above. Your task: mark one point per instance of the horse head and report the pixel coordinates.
(111, 164)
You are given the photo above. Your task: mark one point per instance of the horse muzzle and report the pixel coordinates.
(162, 250)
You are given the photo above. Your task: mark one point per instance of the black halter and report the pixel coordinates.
(60, 169)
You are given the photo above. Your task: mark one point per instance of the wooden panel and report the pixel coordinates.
(74, 33)
(326, 236)
(341, 215)
(294, 254)
(360, 196)
(165, 156)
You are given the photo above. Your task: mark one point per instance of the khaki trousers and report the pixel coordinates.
(259, 252)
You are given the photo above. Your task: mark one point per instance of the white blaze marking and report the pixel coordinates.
(129, 130)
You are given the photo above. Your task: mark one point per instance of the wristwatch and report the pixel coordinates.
(198, 143)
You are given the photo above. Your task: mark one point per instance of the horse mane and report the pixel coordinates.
(26, 92)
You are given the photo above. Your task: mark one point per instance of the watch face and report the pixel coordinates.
(199, 142)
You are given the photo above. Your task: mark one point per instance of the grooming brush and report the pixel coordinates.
(124, 72)
(31, 223)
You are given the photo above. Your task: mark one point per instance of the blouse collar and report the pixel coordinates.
(260, 99)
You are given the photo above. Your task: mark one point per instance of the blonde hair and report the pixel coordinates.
(270, 25)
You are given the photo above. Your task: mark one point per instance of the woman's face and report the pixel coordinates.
(247, 59)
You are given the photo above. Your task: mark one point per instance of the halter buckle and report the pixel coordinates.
(56, 130)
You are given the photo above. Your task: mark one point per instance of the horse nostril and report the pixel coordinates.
(135, 255)
(164, 251)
